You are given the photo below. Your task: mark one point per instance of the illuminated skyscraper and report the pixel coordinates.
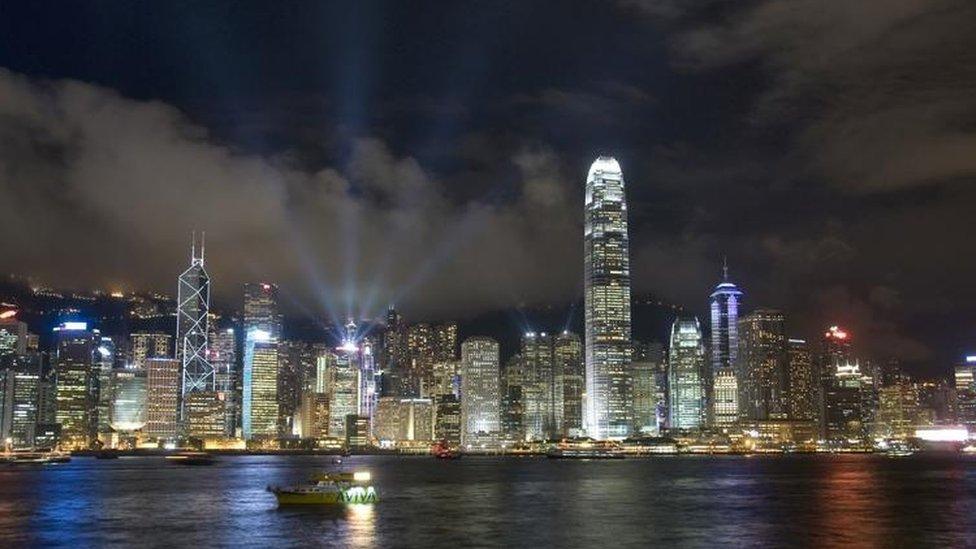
(259, 414)
(227, 376)
(802, 385)
(192, 325)
(261, 310)
(724, 302)
(20, 381)
(606, 265)
(538, 386)
(686, 364)
(205, 415)
(13, 334)
(648, 362)
(345, 383)
(77, 384)
(162, 397)
(762, 365)
(480, 393)
(128, 399)
(568, 355)
(725, 397)
(149, 345)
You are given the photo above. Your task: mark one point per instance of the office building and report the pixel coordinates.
(762, 365)
(162, 398)
(480, 392)
(76, 408)
(259, 412)
(686, 362)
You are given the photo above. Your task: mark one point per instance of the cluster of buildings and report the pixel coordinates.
(240, 383)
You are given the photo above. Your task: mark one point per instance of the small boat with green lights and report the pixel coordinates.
(329, 489)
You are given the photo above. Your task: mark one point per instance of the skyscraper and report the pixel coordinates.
(192, 325)
(647, 362)
(724, 305)
(762, 365)
(538, 389)
(606, 265)
(344, 394)
(686, 363)
(480, 394)
(13, 334)
(149, 345)
(20, 381)
(261, 308)
(77, 384)
(568, 355)
(128, 409)
(802, 385)
(162, 397)
(259, 414)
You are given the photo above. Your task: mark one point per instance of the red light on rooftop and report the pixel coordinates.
(8, 314)
(836, 333)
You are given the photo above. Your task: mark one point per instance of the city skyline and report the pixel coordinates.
(282, 154)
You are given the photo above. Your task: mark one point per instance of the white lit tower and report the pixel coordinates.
(606, 265)
(193, 306)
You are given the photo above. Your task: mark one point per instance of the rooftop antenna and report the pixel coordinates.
(725, 268)
(193, 245)
(203, 244)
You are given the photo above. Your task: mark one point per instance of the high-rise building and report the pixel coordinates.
(345, 383)
(393, 361)
(20, 379)
(162, 397)
(898, 411)
(606, 265)
(965, 385)
(205, 415)
(836, 354)
(762, 365)
(725, 398)
(77, 384)
(686, 362)
(568, 357)
(844, 404)
(647, 363)
(149, 345)
(192, 326)
(129, 399)
(540, 387)
(724, 303)
(13, 334)
(228, 380)
(259, 413)
(295, 359)
(480, 393)
(400, 420)
(447, 419)
(802, 382)
(106, 357)
(314, 415)
(261, 310)
(512, 422)
(357, 431)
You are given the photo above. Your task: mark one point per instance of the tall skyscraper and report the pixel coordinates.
(129, 399)
(512, 422)
(480, 394)
(259, 414)
(606, 265)
(162, 397)
(228, 380)
(648, 359)
(763, 363)
(802, 385)
(345, 383)
(568, 355)
(724, 304)
(686, 363)
(77, 384)
(192, 325)
(725, 398)
(20, 381)
(261, 310)
(538, 387)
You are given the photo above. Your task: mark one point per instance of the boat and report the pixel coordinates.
(192, 458)
(37, 458)
(334, 488)
(442, 450)
(584, 453)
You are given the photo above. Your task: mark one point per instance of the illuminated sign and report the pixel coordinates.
(72, 326)
(970, 359)
(259, 335)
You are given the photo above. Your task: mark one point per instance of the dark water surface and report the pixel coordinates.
(499, 502)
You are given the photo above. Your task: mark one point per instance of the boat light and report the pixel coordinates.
(361, 476)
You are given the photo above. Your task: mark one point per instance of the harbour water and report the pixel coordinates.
(499, 502)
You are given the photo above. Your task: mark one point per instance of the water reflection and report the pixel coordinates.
(362, 525)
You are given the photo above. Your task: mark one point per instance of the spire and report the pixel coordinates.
(203, 244)
(193, 245)
(725, 268)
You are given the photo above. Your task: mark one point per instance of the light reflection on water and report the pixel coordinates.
(811, 500)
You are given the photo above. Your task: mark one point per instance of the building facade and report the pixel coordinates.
(606, 265)
(686, 363)
(480, 391)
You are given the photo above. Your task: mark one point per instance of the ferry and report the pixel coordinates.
(192, 458)
(37, 458)
(328, 489)
(584, 448)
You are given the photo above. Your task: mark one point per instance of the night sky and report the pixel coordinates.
(435, 155)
